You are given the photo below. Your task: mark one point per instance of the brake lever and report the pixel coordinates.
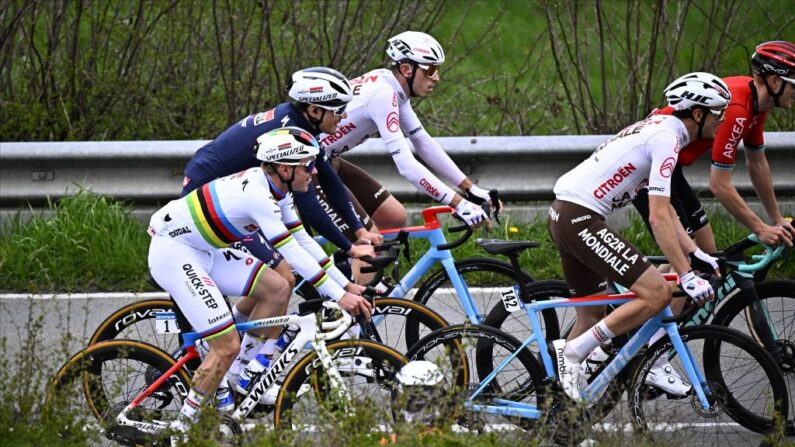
(494, 196)
(364, 326)
(403, 237)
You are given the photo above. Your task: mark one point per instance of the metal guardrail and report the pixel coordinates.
(149, 172)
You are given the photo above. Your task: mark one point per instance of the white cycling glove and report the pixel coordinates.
(703, 257)
(696, 288)
(478, 195)
(471, 213)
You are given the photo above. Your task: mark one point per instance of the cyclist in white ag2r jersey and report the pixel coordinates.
(643, 155)
(382, 104)
(184, 257)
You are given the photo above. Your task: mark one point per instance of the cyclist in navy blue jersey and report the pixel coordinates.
(319, 97)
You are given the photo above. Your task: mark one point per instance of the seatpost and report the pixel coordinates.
(517, 271)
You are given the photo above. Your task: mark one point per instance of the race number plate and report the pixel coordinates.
(166, 323)
(510, 299)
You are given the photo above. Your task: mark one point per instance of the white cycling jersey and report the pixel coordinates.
(641, 156)
(380, 105)
(227, 209)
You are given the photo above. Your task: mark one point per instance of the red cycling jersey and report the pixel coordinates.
(743, 122)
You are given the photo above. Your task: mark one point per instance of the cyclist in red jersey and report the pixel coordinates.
(772, 84)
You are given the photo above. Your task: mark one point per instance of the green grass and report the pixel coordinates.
(91, 243)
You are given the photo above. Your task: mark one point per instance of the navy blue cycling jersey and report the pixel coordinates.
(234, 151)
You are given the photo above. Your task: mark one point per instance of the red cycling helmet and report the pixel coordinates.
(776, 57)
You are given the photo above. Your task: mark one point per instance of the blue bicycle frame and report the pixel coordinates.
(599, 384)
(432, 232)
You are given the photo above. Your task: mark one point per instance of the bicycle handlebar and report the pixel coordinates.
(763, 260)
(728, 255)
(495, 199)
(336, 327)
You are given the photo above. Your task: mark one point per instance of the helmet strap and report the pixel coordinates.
(315, 122)
(777, 94)
(701, 123)
(410, 80)
(289, 181)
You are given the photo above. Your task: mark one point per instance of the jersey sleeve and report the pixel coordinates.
(427, 148)
(755, 140)
(664, 148)
(314, 214)
(270, 218)
(336, 192)
(384, 111)
(730, 131)
(311, 246)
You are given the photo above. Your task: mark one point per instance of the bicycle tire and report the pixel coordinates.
(464, 371)
(420, 321)
(136, 321)
(94, 370)
(384, 361)
(778, 299)
(488, 272)
(742, 377)
(517, 324)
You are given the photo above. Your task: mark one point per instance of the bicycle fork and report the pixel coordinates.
(759, 325)
(154, 426)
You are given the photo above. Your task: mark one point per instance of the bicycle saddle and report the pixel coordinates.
(503, 247)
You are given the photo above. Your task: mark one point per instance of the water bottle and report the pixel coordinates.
(255, 367)
(224, 401)
(288, 334)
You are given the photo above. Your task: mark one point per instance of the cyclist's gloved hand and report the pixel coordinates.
(477, 195)
(355, 305)
(696, 288)
(699, 257)
(472, 214)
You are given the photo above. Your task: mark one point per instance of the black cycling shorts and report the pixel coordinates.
(683, 199)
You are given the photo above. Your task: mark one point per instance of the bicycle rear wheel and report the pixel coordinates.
(486, 279)
(137, 321)
(517, 324)
(746, 392)
(97, 383)
(307, 405)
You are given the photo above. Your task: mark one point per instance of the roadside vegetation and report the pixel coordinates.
(135, 70)
(87, 243)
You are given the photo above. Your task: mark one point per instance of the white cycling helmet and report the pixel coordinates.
(420, 394)
(285, 145)
(416, 47)
(698, 89)
(321, 86)
(419, 373)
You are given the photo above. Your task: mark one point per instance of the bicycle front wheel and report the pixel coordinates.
(745, 390)
(459, 352)
(400, 323)
(97, 383)
(777, 301)
(307, 404)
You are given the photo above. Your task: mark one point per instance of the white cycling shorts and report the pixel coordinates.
(197, 280)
